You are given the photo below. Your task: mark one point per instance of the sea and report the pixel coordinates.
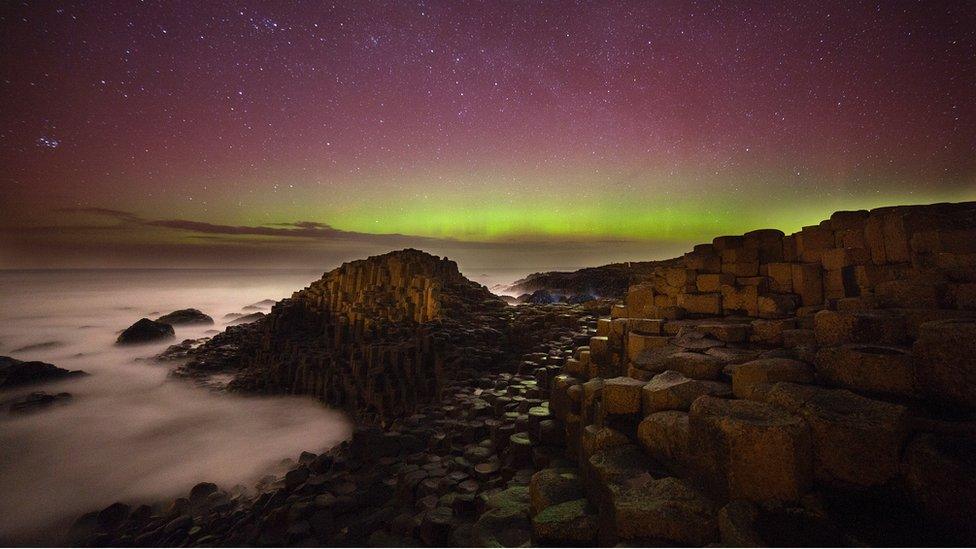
(130, 431)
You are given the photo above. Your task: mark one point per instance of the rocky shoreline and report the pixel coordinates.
(765, 389)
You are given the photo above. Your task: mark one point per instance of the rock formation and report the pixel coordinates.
(810, 389)
(17, 373)
(185, 317)
(799, 374)
(377, 336)
(145, 331)
(605, 281)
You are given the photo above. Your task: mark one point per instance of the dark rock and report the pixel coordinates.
(246, 319)
(145, 331)
(201, 491)
(37, 400)
(43, 346)
(15, 373)
(113, 515)
(185, 316)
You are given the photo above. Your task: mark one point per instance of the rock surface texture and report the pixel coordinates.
(811, 389)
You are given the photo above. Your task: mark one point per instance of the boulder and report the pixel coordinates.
(945, 353)
(867, 368)
(751, 379)
(670, 390)
(184, 317)
(17, 373)
(857, 441)
(751, 450)
(145, 331)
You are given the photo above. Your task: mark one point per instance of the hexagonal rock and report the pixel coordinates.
(622, 395)
(639, 341)
(752, 379)
(946, 361)
(840, 327)
(729, 332)
(559, 398)
(595, 439)
(940, 472)
(671, 390)
(856, 440)
(554, 486)
(693, 365)
(668, 509)
(751, 450)
(664, 437)
(505, 522)
(868, 368)
(571, 522)
(613, 465)
(599, 349)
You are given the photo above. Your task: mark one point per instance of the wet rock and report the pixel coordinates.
(145, 331)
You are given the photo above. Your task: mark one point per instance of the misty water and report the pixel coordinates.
(131, 432)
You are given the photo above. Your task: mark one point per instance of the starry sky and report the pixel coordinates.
(540, 134)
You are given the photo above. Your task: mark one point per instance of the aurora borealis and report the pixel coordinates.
(550, 134)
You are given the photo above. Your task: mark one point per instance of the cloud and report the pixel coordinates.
(297, 229)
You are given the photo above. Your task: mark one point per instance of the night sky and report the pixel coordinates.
(545, 134)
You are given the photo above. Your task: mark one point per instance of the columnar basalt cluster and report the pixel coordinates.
(796, 376)
(378, 336)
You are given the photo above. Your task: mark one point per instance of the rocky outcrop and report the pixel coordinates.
(185, 317)
(145, 331)
(18, 373)
(818, 381)
(606, 281)
(378, 337)
(244, 319)
(811, 389)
